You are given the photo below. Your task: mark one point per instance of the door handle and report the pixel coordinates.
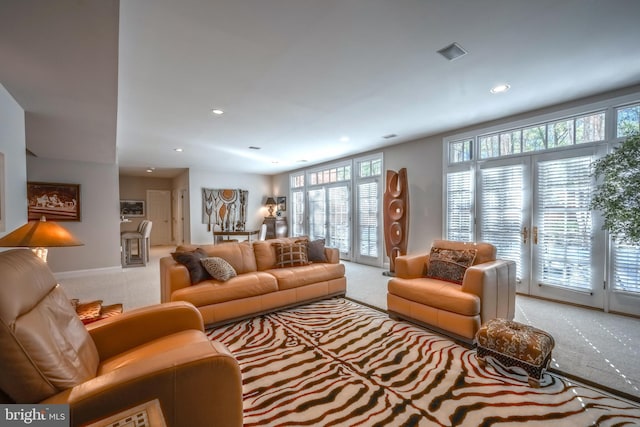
(525, 234)
(535, 235)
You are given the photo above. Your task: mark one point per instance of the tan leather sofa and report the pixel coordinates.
(158, 352)
(260, 286)
(487, 291)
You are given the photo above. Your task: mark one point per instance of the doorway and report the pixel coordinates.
(159, 213)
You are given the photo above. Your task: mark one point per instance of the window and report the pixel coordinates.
(324, 207)
(550, 135)
(459, 213)
(627, 120)
(460, 151)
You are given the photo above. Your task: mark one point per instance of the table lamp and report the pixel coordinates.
(39, 235)
(270, 203)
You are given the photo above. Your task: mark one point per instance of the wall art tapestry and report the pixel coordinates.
(59, 202)
(226, 209)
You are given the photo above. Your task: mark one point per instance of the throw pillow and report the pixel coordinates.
(89, 311)
(291, 254)
(218, 268)
(315, 251)
(449, 264)
(191, 260)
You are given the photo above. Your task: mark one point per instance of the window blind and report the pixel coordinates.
(459, 216)
(564, 197)
(501, 211)
(626, 268)
(368, 218)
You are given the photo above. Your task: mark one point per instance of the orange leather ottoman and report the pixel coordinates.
(514, 345)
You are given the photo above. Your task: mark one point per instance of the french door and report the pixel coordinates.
(330, 216)
(536, 211)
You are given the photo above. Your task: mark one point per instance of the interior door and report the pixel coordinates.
(159, 213)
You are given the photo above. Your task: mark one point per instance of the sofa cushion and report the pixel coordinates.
(485, 252)
(305, 275)
(191, 260)
(291, 254)
(315, 251)
(265, 252)
(88, 311)
(437, 294)
(213, 292)
(450, 264)
(218, 268)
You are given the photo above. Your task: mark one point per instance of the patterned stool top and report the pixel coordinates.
(516, 340)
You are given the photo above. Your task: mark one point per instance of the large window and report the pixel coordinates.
(341, 204)
(527, 189)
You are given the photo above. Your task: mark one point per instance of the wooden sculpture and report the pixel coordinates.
(396, 216)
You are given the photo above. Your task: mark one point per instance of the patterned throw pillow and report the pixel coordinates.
(218, 268)
(291, 254)
(315, 251)
(191, 260)
(89, 311)
(450, 264)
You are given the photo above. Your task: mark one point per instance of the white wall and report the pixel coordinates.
(99, 226)
(259, 187)
(12, 145)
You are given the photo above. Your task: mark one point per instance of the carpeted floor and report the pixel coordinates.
(593, 346)
(338, 363)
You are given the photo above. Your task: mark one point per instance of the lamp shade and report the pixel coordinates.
(270, 201)
(39, 234)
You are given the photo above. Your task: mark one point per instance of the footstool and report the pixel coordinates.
(513, 344)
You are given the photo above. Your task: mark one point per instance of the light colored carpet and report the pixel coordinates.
(598, 347)
(338, 363)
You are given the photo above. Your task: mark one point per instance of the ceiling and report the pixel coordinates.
(295, 78)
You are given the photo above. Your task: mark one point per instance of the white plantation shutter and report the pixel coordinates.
(459, 216)
(317, 214)
(626, 268)
(368, 218)
(339, 221)
(564, 234)
(501, 211)
(297, 213)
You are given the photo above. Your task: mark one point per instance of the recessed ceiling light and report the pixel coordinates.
(344, 139)
(149, 170)
(217, 111)
(179, 150)
(500, 88)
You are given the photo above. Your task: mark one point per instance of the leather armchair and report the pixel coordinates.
(487, 291)
(157, 352)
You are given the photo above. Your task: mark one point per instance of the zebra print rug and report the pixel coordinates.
(337, 363)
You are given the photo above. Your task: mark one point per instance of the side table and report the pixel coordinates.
(148, 414)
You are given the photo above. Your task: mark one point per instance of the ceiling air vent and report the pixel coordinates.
(453, 51)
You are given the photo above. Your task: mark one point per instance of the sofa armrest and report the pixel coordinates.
(198, 384)
(411, 266)
(132, 328)
(173, 276)
(494, 283)
(333, 255)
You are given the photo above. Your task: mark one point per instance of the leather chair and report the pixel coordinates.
(487, 291)
(157, 352)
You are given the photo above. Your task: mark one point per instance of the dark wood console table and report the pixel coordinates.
(276, 227)
(248, 234)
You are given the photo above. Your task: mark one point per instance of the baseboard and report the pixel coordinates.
(88, 272)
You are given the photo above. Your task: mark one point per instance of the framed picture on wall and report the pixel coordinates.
(282, 203)
(131, 208)
(57, 202)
